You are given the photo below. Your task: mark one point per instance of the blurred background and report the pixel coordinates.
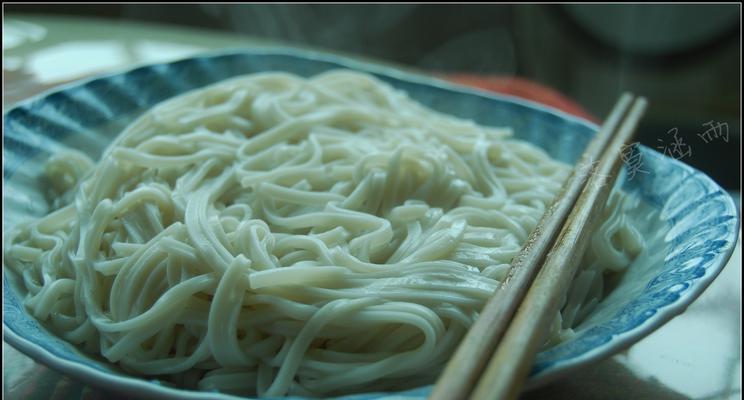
(684, 58)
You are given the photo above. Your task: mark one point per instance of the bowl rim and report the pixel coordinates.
(142, 387)
(346, 61)
(664, 314)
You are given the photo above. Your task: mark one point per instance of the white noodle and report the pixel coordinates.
(275, 235)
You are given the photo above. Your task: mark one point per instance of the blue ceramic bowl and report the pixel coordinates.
(691, 228)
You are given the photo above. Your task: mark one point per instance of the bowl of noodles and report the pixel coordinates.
(287, 223)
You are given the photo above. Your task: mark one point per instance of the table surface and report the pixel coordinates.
(40, 53)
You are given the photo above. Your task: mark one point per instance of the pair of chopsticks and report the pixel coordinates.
(494, 358)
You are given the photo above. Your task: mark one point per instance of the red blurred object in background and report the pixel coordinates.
(522, 88)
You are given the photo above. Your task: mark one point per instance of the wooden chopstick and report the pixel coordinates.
(470, 359)
(510, 364)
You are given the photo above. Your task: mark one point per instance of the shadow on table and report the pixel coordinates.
(609, 379)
